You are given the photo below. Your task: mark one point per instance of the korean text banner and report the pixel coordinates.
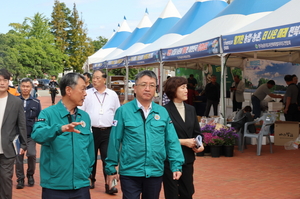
(117, 63)
(100, 65)
(141, 59)
(192, 51)
(264, 39)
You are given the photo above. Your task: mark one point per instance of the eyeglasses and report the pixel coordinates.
(3, 80)
(144, 85)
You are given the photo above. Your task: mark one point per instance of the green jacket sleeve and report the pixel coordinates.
(114, 144)
(43, 131)
(173, 148)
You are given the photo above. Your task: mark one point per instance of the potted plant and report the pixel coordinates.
(229, 135)
(215, 143)
(207, 131)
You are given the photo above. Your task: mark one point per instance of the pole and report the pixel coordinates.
(126, 80)
(223, 85)
(161, 66)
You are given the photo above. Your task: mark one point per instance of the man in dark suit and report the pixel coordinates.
(12, 122)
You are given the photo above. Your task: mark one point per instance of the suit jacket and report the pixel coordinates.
(239, 93)
(188, 129)
(13, 124)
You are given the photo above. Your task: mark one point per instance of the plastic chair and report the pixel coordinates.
(240, 133)
(268, 119)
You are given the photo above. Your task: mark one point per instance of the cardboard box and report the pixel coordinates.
(285, 131)
(275, 106)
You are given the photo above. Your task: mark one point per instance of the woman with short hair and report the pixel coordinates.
(186, 124)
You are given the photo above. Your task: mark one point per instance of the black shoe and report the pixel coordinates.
(92, 185)
(30, 181)
(20, 184)
(110, 191)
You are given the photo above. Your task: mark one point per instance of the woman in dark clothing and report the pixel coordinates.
(52, 88)
(186, 124)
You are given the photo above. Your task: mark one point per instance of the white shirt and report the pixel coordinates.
(35, 83)
(2, 109)
(101, 107)
(146, 112)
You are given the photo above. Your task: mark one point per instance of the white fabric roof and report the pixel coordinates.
(122, 33)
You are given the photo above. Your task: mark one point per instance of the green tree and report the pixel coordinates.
(60, 25)
(99, 43)
(36, 52)
(80, 46)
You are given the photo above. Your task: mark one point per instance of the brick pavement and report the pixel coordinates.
(244, 176)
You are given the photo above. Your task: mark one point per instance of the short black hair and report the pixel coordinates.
(288, 78)
(294, 76)
(71, 80)
(191, 75)
(248, 109)
(271, 82)
(5, 74)
(172, 84)
(87, 74)
(237, 76)
(104, 75)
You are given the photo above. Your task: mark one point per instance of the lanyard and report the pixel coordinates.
(101, 103)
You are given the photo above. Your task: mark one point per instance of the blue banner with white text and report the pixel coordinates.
(142, 59)
(192, 51)
(270, 38)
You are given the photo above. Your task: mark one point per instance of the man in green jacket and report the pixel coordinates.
(141, 139)
(67, 153)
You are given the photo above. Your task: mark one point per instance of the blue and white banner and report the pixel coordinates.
(192, 51)
(264, 39)
(141, 59)
(100, 65)
(116, 63)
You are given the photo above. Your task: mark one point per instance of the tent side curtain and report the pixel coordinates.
(265, 39)
(192, 51)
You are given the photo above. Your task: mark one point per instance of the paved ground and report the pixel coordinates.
(244, 176)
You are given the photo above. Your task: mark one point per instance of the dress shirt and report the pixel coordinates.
(92, 105)
(146, 112)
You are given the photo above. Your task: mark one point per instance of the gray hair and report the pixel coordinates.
(148, 73)
(71, 80)
(26, 80)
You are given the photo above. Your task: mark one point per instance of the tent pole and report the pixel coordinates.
(126, 80)
(223, 85)
(161, 66)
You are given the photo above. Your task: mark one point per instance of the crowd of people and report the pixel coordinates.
(89, 119)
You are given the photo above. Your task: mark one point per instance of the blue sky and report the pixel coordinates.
(100, 16)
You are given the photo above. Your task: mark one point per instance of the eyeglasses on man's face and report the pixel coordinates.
(144, 85)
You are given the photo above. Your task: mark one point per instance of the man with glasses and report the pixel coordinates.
(142, 138)
(12, 124)
(101, 104)
(32, 109)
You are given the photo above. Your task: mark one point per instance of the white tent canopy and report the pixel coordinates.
(122, 33)
(199, 14)
(279, 36)
(138, 33)
(168, 18)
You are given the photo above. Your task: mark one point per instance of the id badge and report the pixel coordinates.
(101, 112)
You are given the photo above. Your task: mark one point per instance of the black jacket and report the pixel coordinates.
(188, 129)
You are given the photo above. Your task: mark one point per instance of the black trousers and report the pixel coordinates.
(6, 174)
(208, 105)
(182, 188)
(101, 138)
(292, 113)
(82, 193)
(236, 105)
(53, 94)
(134, 187)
